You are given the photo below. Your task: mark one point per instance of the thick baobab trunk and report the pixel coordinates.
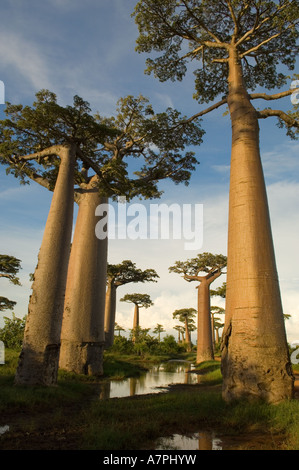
(110, 309)
(255, 359)
(204, 330)
(82, 335)
(135, 321)
(136, 316)
(38, 362)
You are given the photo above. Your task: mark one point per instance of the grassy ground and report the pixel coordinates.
(70, 416)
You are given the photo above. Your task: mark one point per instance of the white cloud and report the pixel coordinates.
(25, 58)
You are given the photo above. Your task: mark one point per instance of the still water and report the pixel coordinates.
(156, 380)
(199, 441)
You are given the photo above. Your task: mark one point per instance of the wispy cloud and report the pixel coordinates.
(25, 58)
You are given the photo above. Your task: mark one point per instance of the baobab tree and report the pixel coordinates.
(158, 330)
(238, 46)
(82, 337)
(118, 328)
(139, 301)
(181, 330)
(205, 269)
(9, 268)
(56, 147)
(186, 315)
(44, 143)
(120, 275)
(215, 310)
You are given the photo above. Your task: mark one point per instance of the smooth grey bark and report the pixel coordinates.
(82, 335)
(110, 309)
(255, 357)
(38, 361)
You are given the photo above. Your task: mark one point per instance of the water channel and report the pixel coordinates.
(155, 380)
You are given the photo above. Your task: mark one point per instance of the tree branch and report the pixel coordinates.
(291, 122)
(253, 49)
(276, 96)
(202, 113)
(202, 25)
(257, 25)
(54, 150)
(233, 17)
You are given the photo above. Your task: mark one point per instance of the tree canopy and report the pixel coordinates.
(103, 145)
(127, 272)
(264, 34)
(206, 263)
(9, 268)
(141, 300)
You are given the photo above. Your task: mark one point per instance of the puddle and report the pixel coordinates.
(153, 381)
(208, 440)
(197, 441)
(3, 429)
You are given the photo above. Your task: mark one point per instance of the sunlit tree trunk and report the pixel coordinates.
(82, 336)
(136, 316)
(38, 362)
(135, 321)
(110, 309)
(204, 329)
(255, 359)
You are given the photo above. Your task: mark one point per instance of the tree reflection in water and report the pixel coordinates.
(199, 441)
(154, 380)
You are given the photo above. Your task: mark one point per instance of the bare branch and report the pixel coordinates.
(54, 150)
(258, 25)
(253, 49)
(233, 17)
(205, 111)
(276, 96)
(291, 122)
(202, 25)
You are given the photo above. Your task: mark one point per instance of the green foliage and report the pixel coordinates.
(13, 332)
(126, 272)
(142, 300)
(145, 344)
(221, 291)
(202, 263)
(102, 144)
(186, 316)
(264, 33)
(9, 267)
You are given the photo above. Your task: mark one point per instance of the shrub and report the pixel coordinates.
(13, 332)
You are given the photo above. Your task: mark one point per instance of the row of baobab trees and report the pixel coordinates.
(71, 313)
(81, 158)
(205, 268)
(235, 48)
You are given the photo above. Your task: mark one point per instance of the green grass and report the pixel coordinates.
(72, 409)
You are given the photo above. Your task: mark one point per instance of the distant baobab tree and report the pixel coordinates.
(204, 268)
(139, 301)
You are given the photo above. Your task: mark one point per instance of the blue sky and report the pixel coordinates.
(88, 48)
